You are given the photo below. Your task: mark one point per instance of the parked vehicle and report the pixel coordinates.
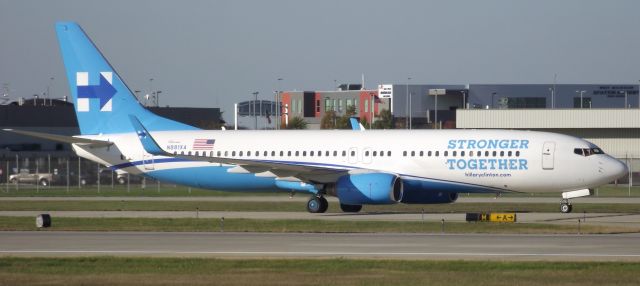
(24, 177)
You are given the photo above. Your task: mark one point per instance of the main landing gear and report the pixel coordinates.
(317, 204)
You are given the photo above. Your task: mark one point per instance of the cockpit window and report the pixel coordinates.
(587, 151)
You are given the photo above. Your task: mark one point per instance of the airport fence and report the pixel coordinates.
(35, 170)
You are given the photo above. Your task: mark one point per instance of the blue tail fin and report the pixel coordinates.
(102, 101)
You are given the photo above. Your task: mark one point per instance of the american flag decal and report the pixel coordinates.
(203, 144)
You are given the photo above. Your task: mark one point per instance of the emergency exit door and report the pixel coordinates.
(548, 150)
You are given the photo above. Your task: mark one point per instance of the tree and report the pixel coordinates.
(344, 122)
(384, 120)
(297, 123)
(328, 121)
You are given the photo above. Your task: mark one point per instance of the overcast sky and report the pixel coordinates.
(215, 53)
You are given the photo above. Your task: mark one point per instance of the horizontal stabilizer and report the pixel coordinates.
(62, 138)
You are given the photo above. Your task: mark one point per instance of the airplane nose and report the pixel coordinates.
(618, 169)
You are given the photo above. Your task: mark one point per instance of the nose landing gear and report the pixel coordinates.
(565, 206)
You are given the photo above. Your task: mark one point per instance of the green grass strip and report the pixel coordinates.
(201, 271)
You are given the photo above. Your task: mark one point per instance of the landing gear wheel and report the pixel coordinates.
(350, 208)
(317, 205)
(566, 208)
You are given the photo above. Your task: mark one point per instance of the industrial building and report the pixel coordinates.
(606, 114)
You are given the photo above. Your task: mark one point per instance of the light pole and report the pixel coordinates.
(158, 92)
(581, 92)
(278, 108)
(552, 90)
(255, 94)
(464, 99)
(406, 118)
(625, 97)
(493, 94)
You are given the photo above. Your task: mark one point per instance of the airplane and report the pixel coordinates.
(365, 167)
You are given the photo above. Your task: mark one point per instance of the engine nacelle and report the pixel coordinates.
(369, 188)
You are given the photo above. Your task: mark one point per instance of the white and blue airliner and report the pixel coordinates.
(357, 167)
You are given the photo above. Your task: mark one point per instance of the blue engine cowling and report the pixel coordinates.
(419, 192)
(370, 188)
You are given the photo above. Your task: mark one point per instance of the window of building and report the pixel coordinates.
(318, 106)
(366, 105)
(327, 105)
(526, 102)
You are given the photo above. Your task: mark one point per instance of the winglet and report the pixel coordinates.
(148, 143)
(355, 124)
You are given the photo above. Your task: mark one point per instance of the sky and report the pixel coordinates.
(216, 53)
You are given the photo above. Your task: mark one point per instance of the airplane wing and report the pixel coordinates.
(291, 171)
(62, 138)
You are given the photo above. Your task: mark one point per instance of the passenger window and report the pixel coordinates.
(181, 152)
(413, 153)
(304, 153)
(248, 153)
(461, 153)
(446, 153)
(211, 154)
(389, 153)
(233, 154)
(509, 153)
(289, 153)
(281, 153)
(297, 153)
(381, 154)
(501, 153)
(437, 153)
(495, 153)
(226, 153)
(366, 153)
(319, 153)
(421, 153)
(189, 153)
(486, 153)
(375, 153)
(335, 153)
(218, 153)
(344, 153)
(479, 154)
(326, 153)
(517, 153)
(273, 153)
(353, 153)
(404, 153)
(311, 153)
(454, 153)
(429, 154)
(470, 153)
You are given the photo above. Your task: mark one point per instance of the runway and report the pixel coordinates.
(608, 219)
(323, 245)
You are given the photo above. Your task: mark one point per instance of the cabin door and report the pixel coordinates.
(548, 150)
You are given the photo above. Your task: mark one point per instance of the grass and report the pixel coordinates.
(167, 190)
(201, 271)
(299, 226)
(287, 206)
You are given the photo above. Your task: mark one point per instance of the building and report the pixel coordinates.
(312, 105)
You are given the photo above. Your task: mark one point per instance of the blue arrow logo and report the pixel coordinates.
(104, 91)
